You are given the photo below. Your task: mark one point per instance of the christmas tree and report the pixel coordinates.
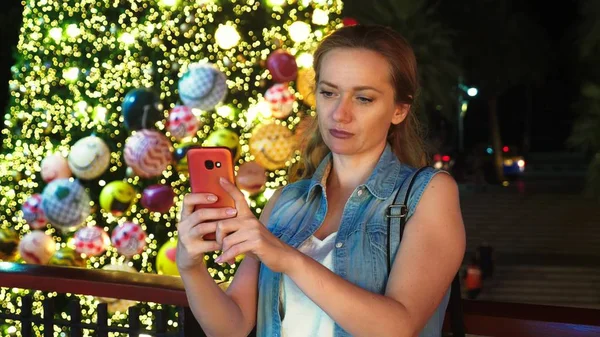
(108, 96)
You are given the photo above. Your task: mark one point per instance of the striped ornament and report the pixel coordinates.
(280, 99)
(148, 153)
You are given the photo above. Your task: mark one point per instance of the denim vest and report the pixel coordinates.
(360, 253)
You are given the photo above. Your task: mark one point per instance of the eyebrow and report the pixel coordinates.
(359, 88)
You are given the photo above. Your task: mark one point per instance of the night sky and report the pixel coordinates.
(551, 114)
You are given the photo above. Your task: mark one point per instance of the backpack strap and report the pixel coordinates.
(397, 214)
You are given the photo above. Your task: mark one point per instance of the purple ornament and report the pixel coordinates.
(158, 198)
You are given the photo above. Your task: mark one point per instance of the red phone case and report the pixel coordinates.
(204, 179)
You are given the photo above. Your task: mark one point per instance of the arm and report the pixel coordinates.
(433, 245)
(231, 313)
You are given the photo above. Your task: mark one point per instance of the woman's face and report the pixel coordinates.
(355, 101)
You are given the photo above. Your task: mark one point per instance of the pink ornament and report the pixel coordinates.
(129, 239)
(148, 153)
(282, 66)
(33, 212)
(91, 241)
(55, 166)
(251, 177)
(37, 247)
(280, 99)
(182, 122)
(158, 198)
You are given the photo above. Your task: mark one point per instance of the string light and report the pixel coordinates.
(77, 60)
(227, 36)
(299, 31)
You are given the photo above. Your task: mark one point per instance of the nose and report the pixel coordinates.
(343, 111)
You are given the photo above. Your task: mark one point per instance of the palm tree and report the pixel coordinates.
(585, 135)
(417, 21)
(499, 49)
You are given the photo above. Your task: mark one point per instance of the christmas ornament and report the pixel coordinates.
(251, 177)
(182, 122)
(55, 166)
(349, 21)
(141, 109)
(225, 138)
(117, 197)
(272, 145)
(148, 153)
(158, 198)
(203, 86)
(91, 241)
(165, 260)
(280, 99)
(67, 257)
(33, 212)
(180, 156)
(9, 243)
(305, 84)
(282, 66)
(37, 247)
(89, 158)
(129, 239)
(66, 204)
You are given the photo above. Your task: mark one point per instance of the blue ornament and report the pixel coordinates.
(141, 109)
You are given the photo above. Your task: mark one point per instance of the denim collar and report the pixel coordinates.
(381, 182)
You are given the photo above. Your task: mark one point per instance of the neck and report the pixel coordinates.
(348, 172)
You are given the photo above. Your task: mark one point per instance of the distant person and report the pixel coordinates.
(473, 281)
(485, 255)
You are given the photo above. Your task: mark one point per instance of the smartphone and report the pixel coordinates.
(207, 165)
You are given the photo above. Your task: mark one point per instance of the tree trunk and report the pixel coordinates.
(496, 139)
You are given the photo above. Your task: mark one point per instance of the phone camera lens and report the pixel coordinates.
(209, 164)
(218, 164)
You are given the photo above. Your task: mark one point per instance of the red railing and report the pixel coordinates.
(481, 318)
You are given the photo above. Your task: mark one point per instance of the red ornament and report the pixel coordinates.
(282, 66)
(349, 22)
(158, 198)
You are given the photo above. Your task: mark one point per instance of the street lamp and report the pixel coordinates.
(463, 104)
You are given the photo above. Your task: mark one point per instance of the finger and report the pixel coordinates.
(234, 239)
(190, 201)
(238, 197)
(212, 214)
(235, 250)
(202, 229)
(225, 227)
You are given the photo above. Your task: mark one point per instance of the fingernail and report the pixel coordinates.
(218, 259)
(231, 211)
(211, 198)
(223, 180)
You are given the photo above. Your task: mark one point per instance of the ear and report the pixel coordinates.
(400, 113)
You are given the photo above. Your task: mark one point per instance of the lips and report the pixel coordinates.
(340, 133)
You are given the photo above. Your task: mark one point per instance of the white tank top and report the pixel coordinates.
(301, 316)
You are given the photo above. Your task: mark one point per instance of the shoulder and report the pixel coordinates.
(430, 181)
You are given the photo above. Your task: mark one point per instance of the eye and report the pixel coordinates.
(364, 100)
(326, 93)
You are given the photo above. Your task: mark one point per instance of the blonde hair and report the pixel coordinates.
(405, 138)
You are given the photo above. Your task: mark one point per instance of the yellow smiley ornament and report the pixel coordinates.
(225, 138)
(272, 145)
(305, 84)
(117, 197)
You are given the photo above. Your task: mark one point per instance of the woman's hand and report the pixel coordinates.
(194, 225)
(246, 235)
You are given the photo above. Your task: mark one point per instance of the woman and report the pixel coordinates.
(315, 261)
